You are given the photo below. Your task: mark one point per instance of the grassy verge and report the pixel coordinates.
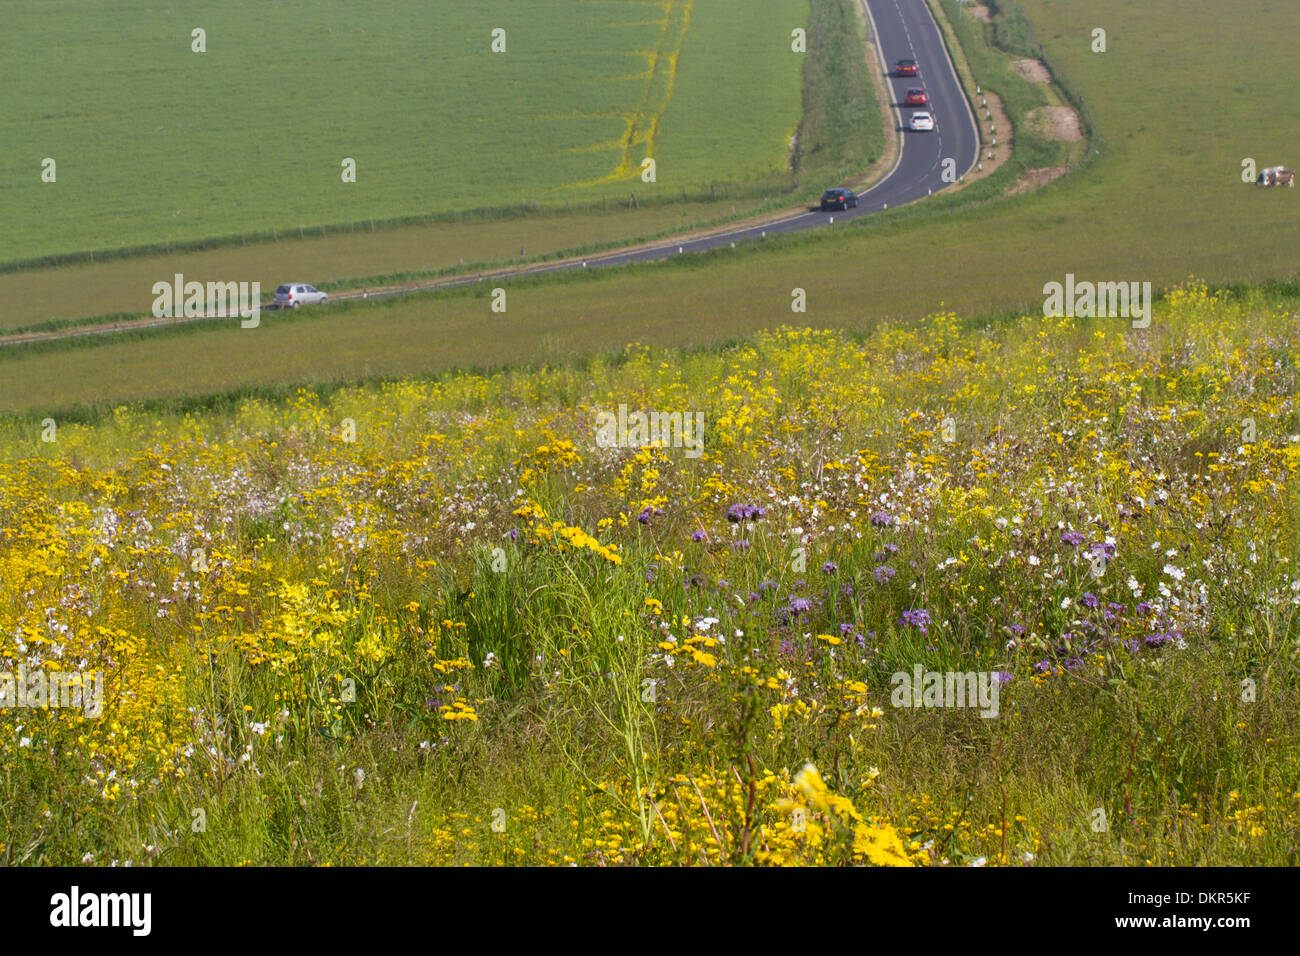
(842, 132)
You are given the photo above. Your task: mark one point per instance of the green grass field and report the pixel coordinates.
(1161, 201)
(156, 142)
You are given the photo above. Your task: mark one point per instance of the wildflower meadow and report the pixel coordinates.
(441, 621)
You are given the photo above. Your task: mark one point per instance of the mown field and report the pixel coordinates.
(155, 142)
(1114, 219)
(437, 622)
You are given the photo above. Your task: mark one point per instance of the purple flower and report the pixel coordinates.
(882, 520)
(740, 545)
(1089, 600)
(1073, 538)
(830, 567)
(738, 512)
(1043, 667)
(883, 574)
(919, 618)
(513, 534)
(698, 536)
(846, 629)
(1156, 640)
(800, 605)
(1004, 677)
(647, 513)
(1102, 550)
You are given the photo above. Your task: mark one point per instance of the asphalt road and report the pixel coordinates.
(905, 30)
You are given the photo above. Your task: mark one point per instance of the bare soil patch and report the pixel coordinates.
(1059, 122)
(1033, 70)
(1035, 178)
(981, 12)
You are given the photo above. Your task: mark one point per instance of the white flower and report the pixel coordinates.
(1174, 572)
(358, 777)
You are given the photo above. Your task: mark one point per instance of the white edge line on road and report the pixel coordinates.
(970, 107)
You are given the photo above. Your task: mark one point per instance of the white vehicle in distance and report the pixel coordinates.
(297, 293)
(922, 122)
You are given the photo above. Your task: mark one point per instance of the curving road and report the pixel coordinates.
(904, 29)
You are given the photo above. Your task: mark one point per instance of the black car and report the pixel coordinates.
(839, 199)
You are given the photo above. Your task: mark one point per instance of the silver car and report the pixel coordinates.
(297, 293)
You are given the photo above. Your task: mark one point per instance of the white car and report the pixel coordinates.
(922, 122)
(297, 293)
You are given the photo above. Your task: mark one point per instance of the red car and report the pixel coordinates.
(906, 68)
(916, 97)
